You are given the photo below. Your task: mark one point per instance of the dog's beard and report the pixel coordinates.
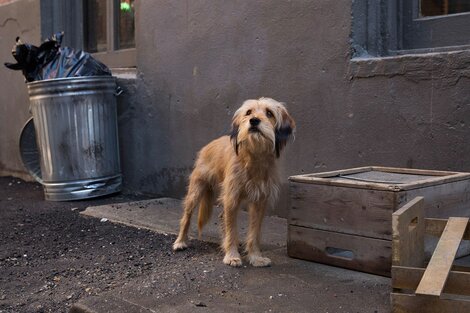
(258, 140)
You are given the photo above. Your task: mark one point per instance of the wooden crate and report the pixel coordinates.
(436, 286)
(344, 218)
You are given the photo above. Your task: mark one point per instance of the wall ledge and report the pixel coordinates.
(448, 66)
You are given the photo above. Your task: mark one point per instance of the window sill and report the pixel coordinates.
(417, 67)
(118, 58)
(129, 73)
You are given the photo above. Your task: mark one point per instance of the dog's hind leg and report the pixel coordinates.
(196, 191)
(205, 209)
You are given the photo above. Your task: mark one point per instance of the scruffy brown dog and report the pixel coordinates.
(239, 168)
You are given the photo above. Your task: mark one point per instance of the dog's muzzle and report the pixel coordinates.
(254, 122)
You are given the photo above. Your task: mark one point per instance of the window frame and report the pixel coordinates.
(383, 28)
(375, 30)
(68, 15)
(433, 32)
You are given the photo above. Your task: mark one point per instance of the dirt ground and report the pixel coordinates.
(50, 256)
(53, 258)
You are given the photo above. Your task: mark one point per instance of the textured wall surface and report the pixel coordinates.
(19, 18)
(202, 59)
(198, 60)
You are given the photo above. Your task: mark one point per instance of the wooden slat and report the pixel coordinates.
(436, 181)
(461, 268)
(435, 227)
(408, 234)
(332, 173)
(369, 255)
(348, 184)
(344, 210)
(436, 273)
(328, 178)
(331, 179)
(414, 171)
(409, 277)
(407, 303)
(442, 200)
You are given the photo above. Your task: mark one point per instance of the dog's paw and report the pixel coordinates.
(179, 245)
(259, 261)
(233, 261)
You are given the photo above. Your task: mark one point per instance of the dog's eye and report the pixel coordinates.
(269, 114)
(248, 112)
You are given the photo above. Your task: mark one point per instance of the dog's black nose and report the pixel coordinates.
(254, 121)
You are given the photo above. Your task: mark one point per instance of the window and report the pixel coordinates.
(443, 7)
(435, 23)
(102, 27)
(391, 27)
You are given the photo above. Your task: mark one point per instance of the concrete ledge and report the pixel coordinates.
(445, 67)
(197, 282)
(162, 215)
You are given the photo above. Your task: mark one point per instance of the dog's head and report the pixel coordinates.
(261, 126)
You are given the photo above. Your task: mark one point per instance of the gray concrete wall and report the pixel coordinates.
(17, 18)
(199, 60)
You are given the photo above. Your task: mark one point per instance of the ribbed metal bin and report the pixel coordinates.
(75, 122)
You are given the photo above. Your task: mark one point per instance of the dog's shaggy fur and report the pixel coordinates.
(240, 167)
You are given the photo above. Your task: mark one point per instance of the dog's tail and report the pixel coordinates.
(205, 210)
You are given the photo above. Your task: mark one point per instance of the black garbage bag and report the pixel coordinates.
(50, 61)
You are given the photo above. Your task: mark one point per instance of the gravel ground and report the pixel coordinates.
(50, 256)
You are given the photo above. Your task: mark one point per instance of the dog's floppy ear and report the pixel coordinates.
(284, 131)
(234, 136)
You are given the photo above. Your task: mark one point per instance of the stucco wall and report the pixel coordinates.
(199, 60)
(17, 18)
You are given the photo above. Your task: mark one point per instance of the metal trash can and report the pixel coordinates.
(75, 124)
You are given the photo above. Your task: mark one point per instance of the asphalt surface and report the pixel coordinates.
(52, 258)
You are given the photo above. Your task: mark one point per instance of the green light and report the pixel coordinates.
(126, 7)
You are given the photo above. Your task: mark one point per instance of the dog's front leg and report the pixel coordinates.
(230, 241)
(256, 211)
